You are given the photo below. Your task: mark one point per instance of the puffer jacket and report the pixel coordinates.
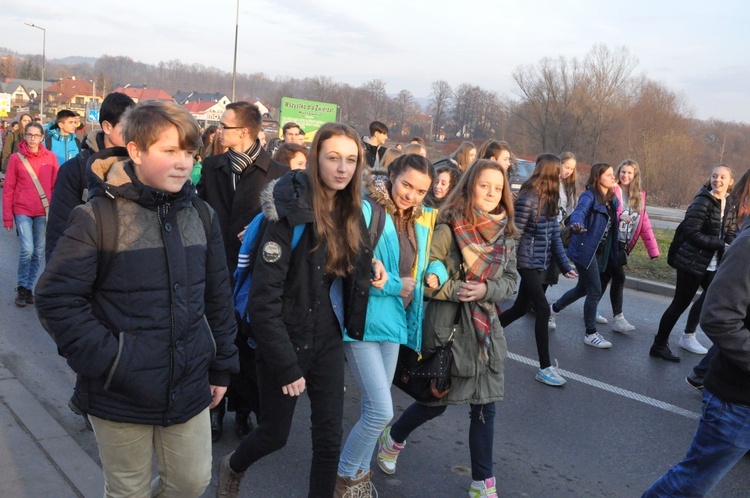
(285, 288)
(372, 152)
(473, 381)
(387, 320)
(158, 330)
(593, 216)
(20, 195)
(71, 188)
(704, 233)
(540, 236)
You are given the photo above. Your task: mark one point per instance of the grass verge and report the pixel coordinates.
(641, 266)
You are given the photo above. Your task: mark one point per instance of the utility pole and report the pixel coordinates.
(236, 35)
(44, 53)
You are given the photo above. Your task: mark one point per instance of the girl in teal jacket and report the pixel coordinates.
(394, 313)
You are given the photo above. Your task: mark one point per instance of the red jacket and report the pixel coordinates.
(19, 193)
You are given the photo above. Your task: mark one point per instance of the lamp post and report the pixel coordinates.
(44, 52)
(236, 34)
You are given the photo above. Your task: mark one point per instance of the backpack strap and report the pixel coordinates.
(37, 184)
(48, 141)
(105, 214)
(376, 223)
(202, 208)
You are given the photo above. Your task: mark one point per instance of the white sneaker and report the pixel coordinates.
(688, 342)
(600, 318)
(619, 324)
(552, 324)
(597, 341)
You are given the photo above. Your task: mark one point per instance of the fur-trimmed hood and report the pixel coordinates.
(111, 173)
(288, 197)
(376, 186)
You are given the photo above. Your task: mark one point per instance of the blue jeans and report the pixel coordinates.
(589, 285)
(722, 438)
(373, 365)
(31, 237)
(481, 432)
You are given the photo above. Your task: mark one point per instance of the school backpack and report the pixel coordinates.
(242, 275)
(105, 214)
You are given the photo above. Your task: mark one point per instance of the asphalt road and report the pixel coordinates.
(621, 421)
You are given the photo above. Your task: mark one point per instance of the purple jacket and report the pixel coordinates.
(643, 229)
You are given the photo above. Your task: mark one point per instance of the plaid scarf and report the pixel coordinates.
(484, 250)
(239, 161)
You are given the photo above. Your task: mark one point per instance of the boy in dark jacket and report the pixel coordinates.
(151, 337)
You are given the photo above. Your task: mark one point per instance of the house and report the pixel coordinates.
(183, 98)
(22, 91)
(207, 113)
(71, 94)
(141, 93)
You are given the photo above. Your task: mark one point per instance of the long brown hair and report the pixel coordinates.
(461, 155)
(337, 222)
(545, 183)
(634, 191)
(741, 197)
(597, 171)
(460, 202)
(570, 184)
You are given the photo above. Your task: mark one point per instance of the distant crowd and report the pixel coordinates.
(193, 272)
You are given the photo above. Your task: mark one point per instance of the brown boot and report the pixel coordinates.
(229, 480)
(355, 487)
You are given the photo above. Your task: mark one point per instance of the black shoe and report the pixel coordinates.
(20, 296)
(695, 383)
(29, 296)
(217, 429)
(662, 351)
(242, 424)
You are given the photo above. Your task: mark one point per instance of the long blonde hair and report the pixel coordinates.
(634, 191)
(337, 224)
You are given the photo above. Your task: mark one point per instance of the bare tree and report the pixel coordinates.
(440, 98)
(404, 106)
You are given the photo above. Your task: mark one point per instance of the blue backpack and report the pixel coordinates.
(242, 276)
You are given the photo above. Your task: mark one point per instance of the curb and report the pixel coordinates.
(66, 455)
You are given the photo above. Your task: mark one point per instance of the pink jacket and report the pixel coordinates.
(643, 229)
(19, 193)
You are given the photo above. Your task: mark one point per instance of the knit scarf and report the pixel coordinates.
(239, 161)
(485, 251)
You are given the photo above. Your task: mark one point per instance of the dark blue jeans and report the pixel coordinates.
(722, 438)
(481, 432)
(589, 285)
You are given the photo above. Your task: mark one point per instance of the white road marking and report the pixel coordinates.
(613, 389)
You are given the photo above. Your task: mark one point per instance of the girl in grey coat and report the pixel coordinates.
(475, 245)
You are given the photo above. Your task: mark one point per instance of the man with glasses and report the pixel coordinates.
(231, 184)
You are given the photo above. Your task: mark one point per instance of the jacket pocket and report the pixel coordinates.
(210, 337)
(498, 349)
(116, 363)
(465, 353)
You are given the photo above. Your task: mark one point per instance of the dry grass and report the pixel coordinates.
(641, 266)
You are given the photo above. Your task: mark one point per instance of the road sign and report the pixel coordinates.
(93, 115)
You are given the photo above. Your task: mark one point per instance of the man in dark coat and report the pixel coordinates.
(231, 184)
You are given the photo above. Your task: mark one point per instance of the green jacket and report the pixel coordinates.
(473, 382)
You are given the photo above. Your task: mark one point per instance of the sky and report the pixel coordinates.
(697, 49)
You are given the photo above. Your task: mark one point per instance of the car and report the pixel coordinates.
(519, 173)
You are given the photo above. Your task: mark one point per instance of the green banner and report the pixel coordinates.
(307, 114)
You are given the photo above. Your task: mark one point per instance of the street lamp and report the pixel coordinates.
(44, 52)
(236, 35)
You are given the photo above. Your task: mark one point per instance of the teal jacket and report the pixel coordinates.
(387, 320)
(64, 147)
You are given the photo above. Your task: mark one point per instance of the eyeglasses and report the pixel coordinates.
(222, 126)
(34, 136)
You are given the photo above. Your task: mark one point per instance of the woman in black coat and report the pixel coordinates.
(709, 227)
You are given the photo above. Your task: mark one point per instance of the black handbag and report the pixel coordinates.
(426, 378)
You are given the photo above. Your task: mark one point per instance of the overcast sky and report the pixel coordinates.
(698, 49)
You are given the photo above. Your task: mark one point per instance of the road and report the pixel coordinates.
(621, 421)
(665, 217)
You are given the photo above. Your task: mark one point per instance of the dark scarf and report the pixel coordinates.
(240, 161)
(484, 250)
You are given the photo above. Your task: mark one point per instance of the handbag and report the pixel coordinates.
(426, 376)
(566, 232)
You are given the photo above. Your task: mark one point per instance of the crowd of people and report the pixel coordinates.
(363, 251)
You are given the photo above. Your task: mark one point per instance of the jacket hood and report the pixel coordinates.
(111, 173)
(706, 192)
(23, 148)
(53, 131)
(93, 141)
(376, 186)
(289, 197)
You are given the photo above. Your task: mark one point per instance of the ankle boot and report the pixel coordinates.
(359, 486)
(242, 424)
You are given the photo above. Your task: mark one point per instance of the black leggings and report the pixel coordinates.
(615, 273)
(687, 286)
(531, 291)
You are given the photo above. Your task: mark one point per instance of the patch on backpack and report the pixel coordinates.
(271, 252)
